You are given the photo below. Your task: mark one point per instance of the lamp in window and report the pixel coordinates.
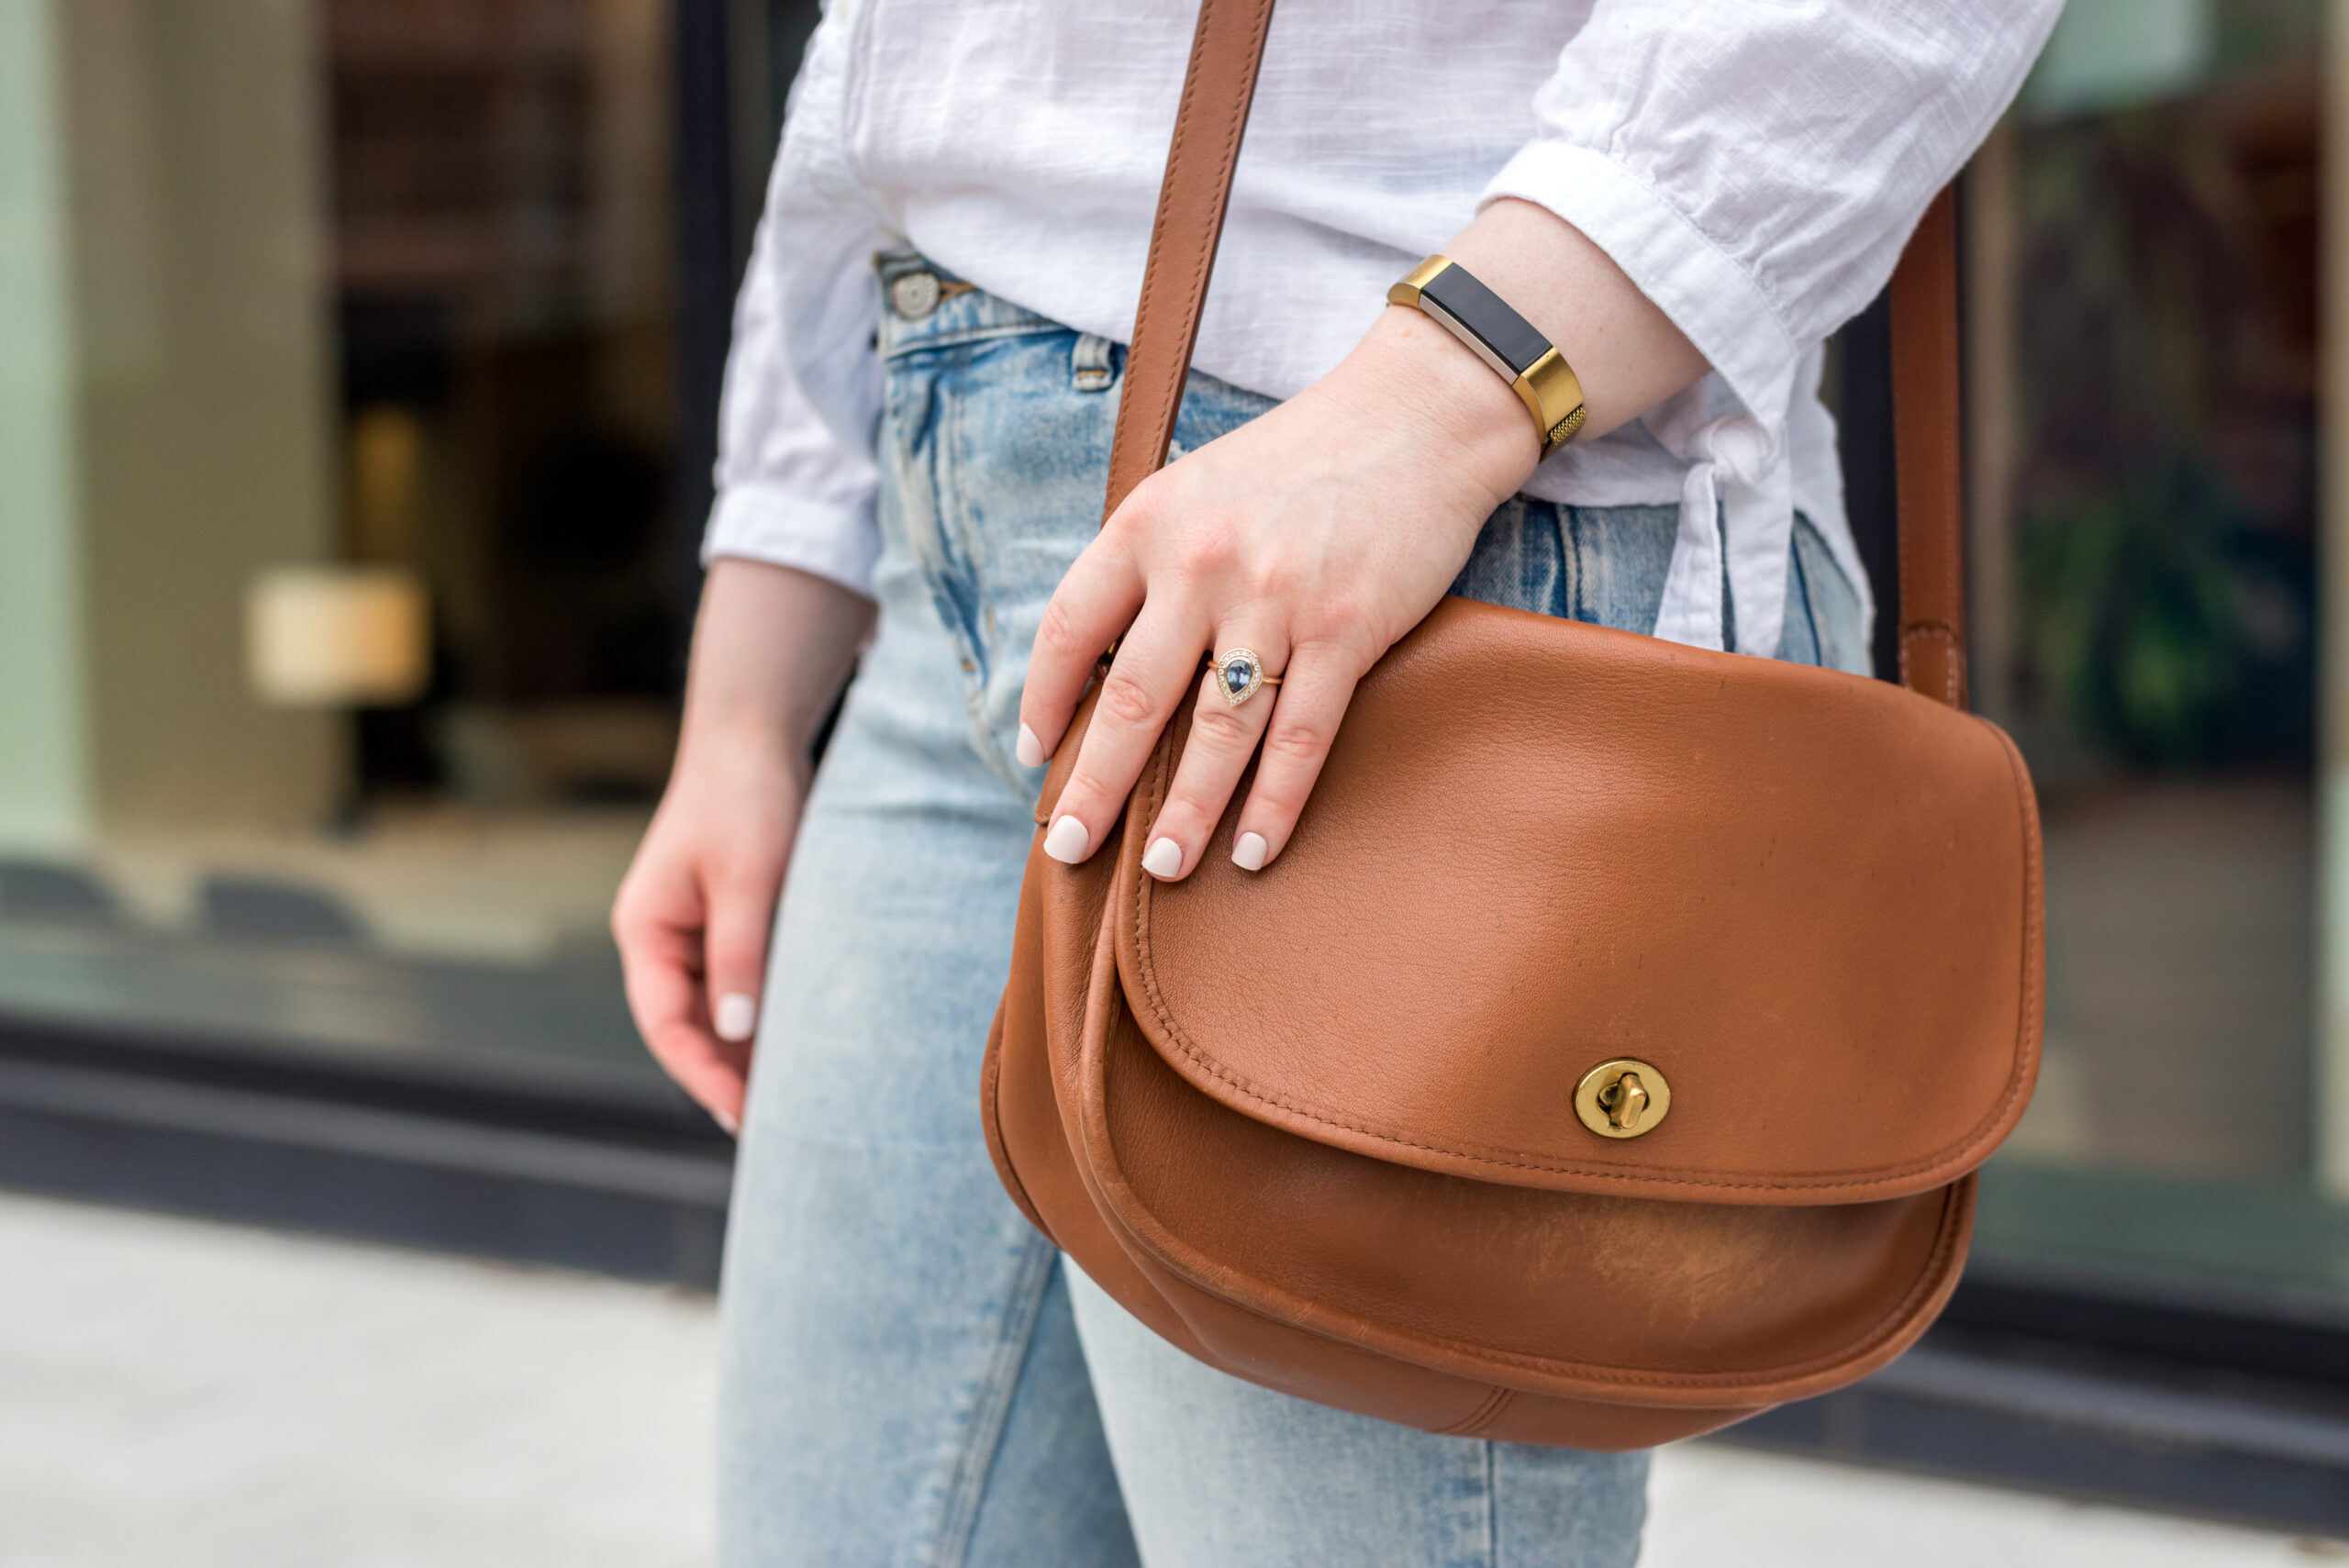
(338, 636)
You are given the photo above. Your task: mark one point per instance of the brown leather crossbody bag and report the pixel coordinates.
(1609, 1054)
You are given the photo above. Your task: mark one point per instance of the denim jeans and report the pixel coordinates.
(911, 1375)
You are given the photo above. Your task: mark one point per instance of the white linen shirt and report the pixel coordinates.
(1755, 166)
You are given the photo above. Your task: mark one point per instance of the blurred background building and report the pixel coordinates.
(358, 371)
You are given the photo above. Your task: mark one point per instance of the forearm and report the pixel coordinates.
(1626, 352)
(772, 649)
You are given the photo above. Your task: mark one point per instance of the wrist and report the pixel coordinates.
(1626, 355)
(773, 647)
(1469, 413)
(751, 725)
(735, 753)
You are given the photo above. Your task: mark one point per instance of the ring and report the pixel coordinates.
(1239, 673)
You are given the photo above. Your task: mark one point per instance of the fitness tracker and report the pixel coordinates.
(1547, 385)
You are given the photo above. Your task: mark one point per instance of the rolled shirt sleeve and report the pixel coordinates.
(795, 478)
(1756, 167)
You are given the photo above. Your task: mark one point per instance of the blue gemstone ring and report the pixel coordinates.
(1238, 674)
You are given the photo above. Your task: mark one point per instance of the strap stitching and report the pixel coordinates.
(1930, 516)
(1953, 668)
(1166, 397)
(1948, 1243)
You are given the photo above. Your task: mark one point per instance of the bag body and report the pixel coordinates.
(1608, 1053)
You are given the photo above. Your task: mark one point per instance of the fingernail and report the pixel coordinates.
(1067, 841)
(734, 1127)
(1248, 854)
(1164, 859)
(737, 1016)
(1029, 749)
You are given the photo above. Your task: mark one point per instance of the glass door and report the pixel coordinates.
(2142, 283)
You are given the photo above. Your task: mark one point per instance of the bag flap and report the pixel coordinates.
(1809, 900)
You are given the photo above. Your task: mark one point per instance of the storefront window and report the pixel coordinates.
(346, 527)
(343, 650)
(2143, 346)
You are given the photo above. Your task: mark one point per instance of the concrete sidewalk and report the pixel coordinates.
(185, 1395)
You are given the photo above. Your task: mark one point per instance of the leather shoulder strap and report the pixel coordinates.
(1928, 452)
(1225, 53)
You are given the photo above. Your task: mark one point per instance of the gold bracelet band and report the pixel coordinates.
(1448, 292)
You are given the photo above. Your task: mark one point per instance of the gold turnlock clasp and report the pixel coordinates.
(1622, 1098)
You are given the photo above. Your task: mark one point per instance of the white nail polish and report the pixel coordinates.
(737, 1016)
(1067, 841)
(1164, 859)
(1029, 749)
(734, 1128)
(1248, 854)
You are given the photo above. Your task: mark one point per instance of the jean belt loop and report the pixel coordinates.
(1089, 365)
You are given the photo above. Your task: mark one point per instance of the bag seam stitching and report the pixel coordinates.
(1477, 1417)
(1166, 402)
(1146, 964)
(1947, 1246)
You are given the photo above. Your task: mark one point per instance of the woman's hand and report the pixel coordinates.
(771, 647)
(1317, 536)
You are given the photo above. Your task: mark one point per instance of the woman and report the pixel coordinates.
(1683, 198)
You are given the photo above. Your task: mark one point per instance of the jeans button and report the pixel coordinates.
(913, 295)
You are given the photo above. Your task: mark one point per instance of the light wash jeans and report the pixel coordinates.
(911, 1375)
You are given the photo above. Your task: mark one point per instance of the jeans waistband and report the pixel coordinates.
(923, 306)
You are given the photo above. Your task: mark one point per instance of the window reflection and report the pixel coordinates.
(373, 310)
(2143, 344)
(376, 298)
